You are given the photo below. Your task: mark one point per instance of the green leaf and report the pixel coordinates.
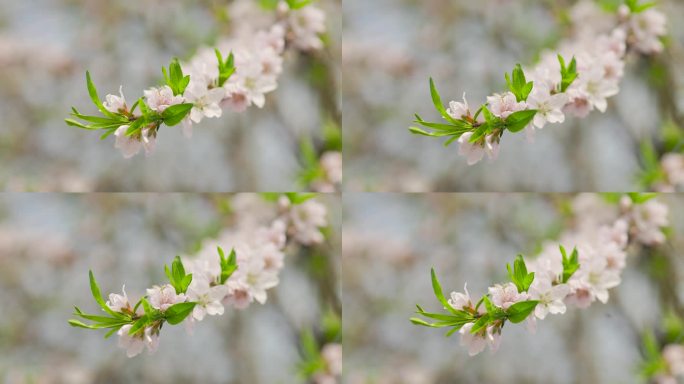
(481, 324)
(309, 345)
(100, 121)
(418, 321)
(518, 312)
(570, 264)
(95, 290)
(108, 133)
(640, 198)
(92, 91)
(226, 67)
(174, 77)
(136, 126)
(104, 320)
(139, 324)
(437, 288)
(519, 85)
(458, 317)
(437, 101)
(518, 274)
(79, 324)
(112, 331)
(74, 123)
(299, 198)
(568, 73)
(635, 6)
(228, 265)
(454, 329)
(176, 113)
(488, 304)
(298, 4)
(517, 121)
(455, 127)
(652, 171)
(177, 277)
(147, 307)
(176, 313)
(480, 132)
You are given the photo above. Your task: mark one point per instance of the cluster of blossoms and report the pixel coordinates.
(556, 279)
(204, 284)
(553, 88)
(237, 74)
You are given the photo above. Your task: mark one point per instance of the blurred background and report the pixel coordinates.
(390, 243)
(391, 49)
(49, 242)
(47, 45)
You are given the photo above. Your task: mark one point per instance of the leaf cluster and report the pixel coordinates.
(226, 67)
(570, 264)
(568, 73)
(178, 279)
(518, 274)
(518, 85)
(228, 264)
(174, 77)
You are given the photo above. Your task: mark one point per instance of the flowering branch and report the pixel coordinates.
(555, 86)
(554, 279)
(209, 82)
(162, 304)
(203, 285)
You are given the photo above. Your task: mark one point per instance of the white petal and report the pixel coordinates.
(539, 120)
(212, 110)
(559, 292)
(541, 311)
(558, 101)
(196, 115)
(215, 95)
(198, 312)
(602, 295)
(219, 292)
(557, 307)
(259, 100)
(601, 104)
(215, 308)
(555, 116)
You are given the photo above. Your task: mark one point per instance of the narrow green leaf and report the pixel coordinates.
(437, 101)
(418, 321)
(228, 265)
(97, 295)
(92, 91)
(437, 288)
(112, 331)
(74, 123)
(480, 324)
(139, 325)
